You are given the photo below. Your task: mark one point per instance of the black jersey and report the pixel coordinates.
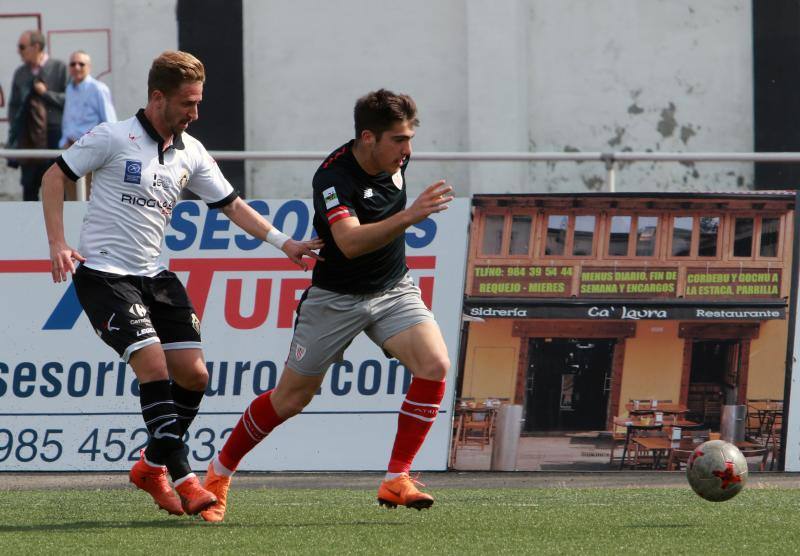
(342, 189)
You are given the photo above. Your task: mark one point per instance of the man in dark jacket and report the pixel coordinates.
(35, 108)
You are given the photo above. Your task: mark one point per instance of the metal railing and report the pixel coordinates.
(609, 159)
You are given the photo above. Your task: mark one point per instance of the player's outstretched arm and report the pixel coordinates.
(355, 239)
(257, 226)
(61, 254)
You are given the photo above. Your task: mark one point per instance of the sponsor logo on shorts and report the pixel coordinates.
(137, 310)
(145, 331)
(368, 193)
(133, 171)
(195, 323)
(397, 179)
(330, 197)
(299, 351)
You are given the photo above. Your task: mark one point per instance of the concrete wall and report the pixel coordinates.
(510, 75)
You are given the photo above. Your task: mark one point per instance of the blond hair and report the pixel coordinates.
(172, 69)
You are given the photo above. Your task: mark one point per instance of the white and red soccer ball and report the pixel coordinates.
(717, 470)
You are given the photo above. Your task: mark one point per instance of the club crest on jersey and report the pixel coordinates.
(330, 197)
(184, 179)
(133, 171)
(299, 351)
(397, 179)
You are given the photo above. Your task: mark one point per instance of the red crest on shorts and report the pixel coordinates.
(299, 351)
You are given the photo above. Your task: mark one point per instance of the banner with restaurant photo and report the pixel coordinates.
(606, 315)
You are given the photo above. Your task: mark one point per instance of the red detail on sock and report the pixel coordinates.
(411, 431)
(256, 423)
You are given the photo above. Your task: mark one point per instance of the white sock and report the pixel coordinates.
(220, 469)
(180, 481)
(390, 476)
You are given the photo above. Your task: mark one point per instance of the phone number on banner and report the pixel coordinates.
(56, 448)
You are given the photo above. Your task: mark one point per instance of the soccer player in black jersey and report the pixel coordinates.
(361, 285)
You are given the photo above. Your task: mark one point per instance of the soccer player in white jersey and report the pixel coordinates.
(134, 303)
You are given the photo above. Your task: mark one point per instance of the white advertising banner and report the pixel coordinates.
(67, 402)
(792, 412)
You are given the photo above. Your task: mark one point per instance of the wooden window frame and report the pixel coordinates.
(757, 228)
(695, 243)
(570, 240)
(505, 244)
(632, 236)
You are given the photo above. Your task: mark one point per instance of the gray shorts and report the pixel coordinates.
(328, 321)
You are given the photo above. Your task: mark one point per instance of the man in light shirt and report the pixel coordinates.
(87, 104)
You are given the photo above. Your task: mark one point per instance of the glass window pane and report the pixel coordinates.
(646, 232)
(682, 227)
(584, 235)
(556, 234)
(743, 237)
(520, 235)
(492, 234)
(769, 237)
(709, 234)
(618, 237)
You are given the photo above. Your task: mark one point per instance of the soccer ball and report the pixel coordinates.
(717, 470)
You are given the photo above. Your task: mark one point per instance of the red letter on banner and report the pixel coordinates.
(233, 304)
(288, 299)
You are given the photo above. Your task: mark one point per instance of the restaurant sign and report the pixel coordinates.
(732, 282)
(516, 280)
(621, 311)
(628, 282)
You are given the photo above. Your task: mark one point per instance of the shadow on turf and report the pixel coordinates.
(660, 526)
(85, 525)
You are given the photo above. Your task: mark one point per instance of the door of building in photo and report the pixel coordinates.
(568, 384)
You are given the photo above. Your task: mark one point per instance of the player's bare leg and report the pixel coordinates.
(293, 392)
(422, 350)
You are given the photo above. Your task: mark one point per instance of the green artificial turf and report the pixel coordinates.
(463, 521)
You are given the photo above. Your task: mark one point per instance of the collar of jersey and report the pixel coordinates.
(177, 139)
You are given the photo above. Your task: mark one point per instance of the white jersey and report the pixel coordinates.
(135, 185)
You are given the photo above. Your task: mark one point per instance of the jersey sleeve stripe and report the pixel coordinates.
(66, 169)
(336, 210)
(223, 202)
(339, 215)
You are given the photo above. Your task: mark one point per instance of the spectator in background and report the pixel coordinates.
(35, 108)
(88, 103)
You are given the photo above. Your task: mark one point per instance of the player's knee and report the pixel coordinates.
(197, 381)
(435, 368)
(295, 403)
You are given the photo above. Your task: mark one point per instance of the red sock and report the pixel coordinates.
(416, 416)
(256, 423)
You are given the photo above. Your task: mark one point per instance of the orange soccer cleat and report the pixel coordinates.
(401, 491)
(153, 480)
(218, 485)
(194, 498)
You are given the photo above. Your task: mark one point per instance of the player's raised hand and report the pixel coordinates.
(433, 199)
(61, 257)
(296, 250)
